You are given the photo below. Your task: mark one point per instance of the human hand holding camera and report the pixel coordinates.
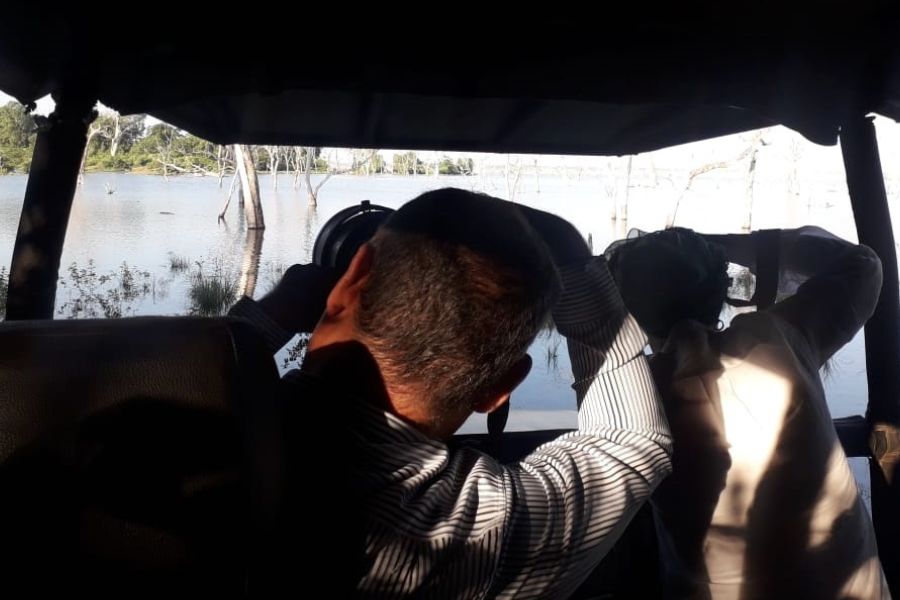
(298, 300)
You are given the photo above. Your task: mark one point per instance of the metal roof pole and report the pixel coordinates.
(52, 178)
(865, 182)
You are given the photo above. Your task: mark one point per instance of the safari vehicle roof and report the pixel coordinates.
(592, 81)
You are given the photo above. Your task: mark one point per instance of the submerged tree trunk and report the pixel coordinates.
(250, 187)
(296, 159)
(220, 165)
(751, 181)
(512, 173)
(116, 136)
(228, 197)
(93, 130)
(482, 173)
(310, 162)
(274, 162)
(312, 191)
(750, 151)
(622, 203)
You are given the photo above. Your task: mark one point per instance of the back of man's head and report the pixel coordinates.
(669, 276)
(459, 286)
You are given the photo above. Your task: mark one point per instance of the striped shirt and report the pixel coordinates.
(456, 523)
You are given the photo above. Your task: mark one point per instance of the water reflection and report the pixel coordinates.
(250, 263)
(310, 230)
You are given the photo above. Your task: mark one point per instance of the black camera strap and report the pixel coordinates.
(496, 423)
(766, 242)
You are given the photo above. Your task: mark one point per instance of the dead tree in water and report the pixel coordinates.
(295, 159)
(126, 129)
(512, 173)
(751, 152)
(249, 186)
(93, 129)
(228, 197)
(751, 180)
(312, 191)
(621, 214)
(274, 161)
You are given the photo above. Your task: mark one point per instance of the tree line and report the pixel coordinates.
(128, 143)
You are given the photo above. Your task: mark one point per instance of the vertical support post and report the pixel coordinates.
(865, 182)
(34, 269)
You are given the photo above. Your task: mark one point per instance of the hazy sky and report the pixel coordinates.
(44, 105)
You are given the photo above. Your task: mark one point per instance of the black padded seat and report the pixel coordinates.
(130, 453)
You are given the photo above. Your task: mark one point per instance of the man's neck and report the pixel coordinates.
(350, 369)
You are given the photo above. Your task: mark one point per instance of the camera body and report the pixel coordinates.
(344, 233)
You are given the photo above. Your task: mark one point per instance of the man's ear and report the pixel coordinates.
(346, 291)
(505, 385)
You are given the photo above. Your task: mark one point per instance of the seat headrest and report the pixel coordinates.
(123, 451)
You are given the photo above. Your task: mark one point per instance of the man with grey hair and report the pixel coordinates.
(430, 323)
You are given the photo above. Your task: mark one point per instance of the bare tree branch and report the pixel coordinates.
(750, 150)
(228, 197)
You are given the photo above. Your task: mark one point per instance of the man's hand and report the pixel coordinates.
(565, 243)
(298, 300)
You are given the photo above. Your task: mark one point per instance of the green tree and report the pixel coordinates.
(16, 126)
(378, 164)
(408, 163)
(461, 166)
(157, 142)
(17, 135)
(447, 167)
(114, 133)
(465, 166)
(166, 149)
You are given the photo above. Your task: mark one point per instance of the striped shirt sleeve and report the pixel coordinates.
(573, 497)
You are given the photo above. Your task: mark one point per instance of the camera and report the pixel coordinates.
(344, 233)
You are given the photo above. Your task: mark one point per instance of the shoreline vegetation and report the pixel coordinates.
(141, 145)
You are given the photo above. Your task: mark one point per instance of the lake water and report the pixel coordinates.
(147, 220)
